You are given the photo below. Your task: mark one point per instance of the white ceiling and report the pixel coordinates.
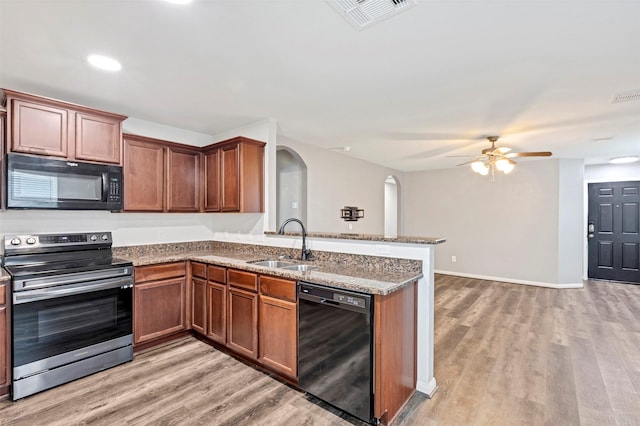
(429, 82)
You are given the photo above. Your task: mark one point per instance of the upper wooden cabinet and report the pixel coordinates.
(234, 176)
(44, 126)
(161, 176)
(183, 180)
(143, 173)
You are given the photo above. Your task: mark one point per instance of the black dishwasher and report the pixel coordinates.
(335, 347)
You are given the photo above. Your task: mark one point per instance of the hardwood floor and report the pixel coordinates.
(505, 354)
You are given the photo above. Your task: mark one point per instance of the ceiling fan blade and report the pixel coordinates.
(459, 156)
(465, 163)
(529, 154)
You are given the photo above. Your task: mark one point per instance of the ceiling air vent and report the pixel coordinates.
(633, 95)
(364, 13)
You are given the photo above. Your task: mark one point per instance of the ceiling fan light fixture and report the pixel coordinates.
(479, 167)
(502, 164)
(508, 168)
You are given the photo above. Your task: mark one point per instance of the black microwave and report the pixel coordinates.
(45, 183)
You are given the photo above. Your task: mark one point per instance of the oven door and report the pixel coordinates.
(56, 326)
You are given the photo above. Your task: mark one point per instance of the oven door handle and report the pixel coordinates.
(70, 290)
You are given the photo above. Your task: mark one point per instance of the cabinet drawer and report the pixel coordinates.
(278, 287)
(199, 270)
(246, 280)
(160, 272)
(217, 274)
(3, 294)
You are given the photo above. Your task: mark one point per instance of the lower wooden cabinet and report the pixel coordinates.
(242, 327)
(159, 301)
(278, 335)
(199, 305)
(217, 312)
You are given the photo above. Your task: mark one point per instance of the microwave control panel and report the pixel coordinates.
(114, 190)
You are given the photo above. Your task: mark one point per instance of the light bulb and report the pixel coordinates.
(478, 166)
(507, 168)
(501, 164)
(484, 170)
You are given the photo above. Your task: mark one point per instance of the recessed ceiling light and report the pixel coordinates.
(179, 1)
(104, 63)
(623, 160)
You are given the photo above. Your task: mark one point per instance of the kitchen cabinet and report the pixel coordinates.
(4, 341)
(395, 317)
(160, 176)
(242, 326)
(198, 297)
(159, 301)
(217, 304)
(183, 180)
(143, 175)
(278, 327)
(44, 126)
(234, 176)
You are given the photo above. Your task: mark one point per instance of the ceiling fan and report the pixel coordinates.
(497, 158)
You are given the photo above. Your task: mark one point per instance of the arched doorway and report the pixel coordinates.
(291, 185)
(391, 207)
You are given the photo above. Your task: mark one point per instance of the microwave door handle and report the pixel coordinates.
(105, 187)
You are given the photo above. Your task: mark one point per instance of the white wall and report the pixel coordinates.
(391, 207)
(571, 234)
(507, 229)
(167, 133)
(336, 180)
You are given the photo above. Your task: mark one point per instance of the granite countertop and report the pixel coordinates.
(366, 237)
(346, 276)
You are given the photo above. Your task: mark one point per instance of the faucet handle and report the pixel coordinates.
(307, 255)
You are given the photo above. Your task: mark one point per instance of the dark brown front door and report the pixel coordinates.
(614, 231)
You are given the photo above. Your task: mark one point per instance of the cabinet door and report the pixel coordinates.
(198, 305)
(3, 345)
(143, 176)
(183, 180)
(217, 312)
(212, 181)
(39, 129)
(158, 309)
(97, 138)
(230, 189)
(242, 329)
(278, 335)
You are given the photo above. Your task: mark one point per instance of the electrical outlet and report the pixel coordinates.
(350, 227)
(454, 259)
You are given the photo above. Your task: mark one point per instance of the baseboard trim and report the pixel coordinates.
(510, 280)
(428, 389)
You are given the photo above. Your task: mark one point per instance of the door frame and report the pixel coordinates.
(585, 217)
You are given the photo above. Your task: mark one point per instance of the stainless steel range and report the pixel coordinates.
(71, 308)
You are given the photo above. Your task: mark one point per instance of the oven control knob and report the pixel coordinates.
(105, 237)
(93, 238)
(31, 240)
(15, 242)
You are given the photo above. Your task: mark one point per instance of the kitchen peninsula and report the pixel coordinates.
(235, 281)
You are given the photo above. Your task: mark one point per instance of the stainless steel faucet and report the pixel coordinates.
(305, 253)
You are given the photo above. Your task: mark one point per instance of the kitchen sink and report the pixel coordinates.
(299, 268)
(272, 263)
